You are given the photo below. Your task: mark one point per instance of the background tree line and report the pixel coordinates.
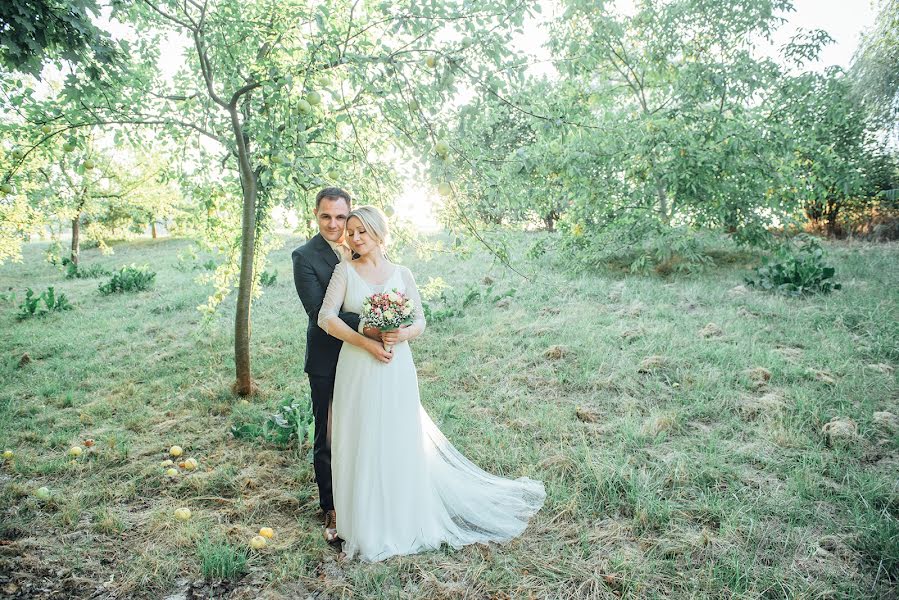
(660, 127)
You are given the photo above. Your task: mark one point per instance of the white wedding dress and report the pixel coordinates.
(399, 486)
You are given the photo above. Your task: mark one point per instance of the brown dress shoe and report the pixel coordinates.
(330, 532)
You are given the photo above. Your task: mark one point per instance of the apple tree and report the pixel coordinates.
(291, 96)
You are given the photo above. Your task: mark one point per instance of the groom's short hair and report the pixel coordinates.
(333, 193)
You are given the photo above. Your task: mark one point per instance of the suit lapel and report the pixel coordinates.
(326, 252)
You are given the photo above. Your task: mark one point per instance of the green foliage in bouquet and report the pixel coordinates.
(796, 273)
(128, 279)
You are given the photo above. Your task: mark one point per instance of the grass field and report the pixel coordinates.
(696, 439)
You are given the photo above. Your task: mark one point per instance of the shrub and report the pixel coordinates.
(46, 302)
(128, 279)
(292, 422)
(797, 272)
(74, 271)
(268, 279)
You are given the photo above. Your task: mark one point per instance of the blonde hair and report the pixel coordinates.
(375, 222)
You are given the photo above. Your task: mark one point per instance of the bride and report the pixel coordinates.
(399, 486)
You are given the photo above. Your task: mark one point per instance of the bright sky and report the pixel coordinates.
(844, 20)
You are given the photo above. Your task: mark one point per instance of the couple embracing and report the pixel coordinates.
(389, 482)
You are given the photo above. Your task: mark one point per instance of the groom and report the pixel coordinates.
(313, 265)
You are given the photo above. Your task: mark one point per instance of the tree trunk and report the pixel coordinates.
(550, 222)
(662, 196)
(244, 386)
(153, 228)
(76, 232)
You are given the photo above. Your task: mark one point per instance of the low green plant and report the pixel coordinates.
(220, 560)
(268, 279)
(128, 279)
(74, 271)
(796, 271)
(453, 304)
(672, 250)
(292, 422)
(46, 302)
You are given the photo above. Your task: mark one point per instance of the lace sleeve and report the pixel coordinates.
(333, 298)
(412, 292)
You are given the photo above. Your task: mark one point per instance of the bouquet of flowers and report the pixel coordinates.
(387, 311)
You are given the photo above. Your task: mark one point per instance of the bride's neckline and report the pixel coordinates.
(367, 282)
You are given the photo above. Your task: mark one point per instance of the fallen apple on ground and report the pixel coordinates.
(43, 493)
(267, 532)
(75, 451)
(7, 454)
(182, 514)
(257, 542)
(176, 451)
(172, 472)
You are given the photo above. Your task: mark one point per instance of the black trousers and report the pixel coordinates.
(322, 393)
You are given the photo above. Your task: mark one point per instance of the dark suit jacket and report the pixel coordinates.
(313, 265)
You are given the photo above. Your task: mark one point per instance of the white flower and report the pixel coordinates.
(393, 297)
(407, 310)
(388, 315)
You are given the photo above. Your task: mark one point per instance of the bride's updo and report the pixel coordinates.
(375, 222)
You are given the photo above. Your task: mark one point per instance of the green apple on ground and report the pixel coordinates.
(267, 532)
(257, 542)
(171, 473)
(182, 514)
(43, 493)
(8, 454)
(166, 463)
(176, 451)
(75, 451)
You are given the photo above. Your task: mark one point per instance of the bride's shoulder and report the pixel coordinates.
(403, 270)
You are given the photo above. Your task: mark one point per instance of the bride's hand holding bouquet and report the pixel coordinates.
(390, 312)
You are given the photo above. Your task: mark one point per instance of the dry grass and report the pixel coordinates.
(677, 464)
